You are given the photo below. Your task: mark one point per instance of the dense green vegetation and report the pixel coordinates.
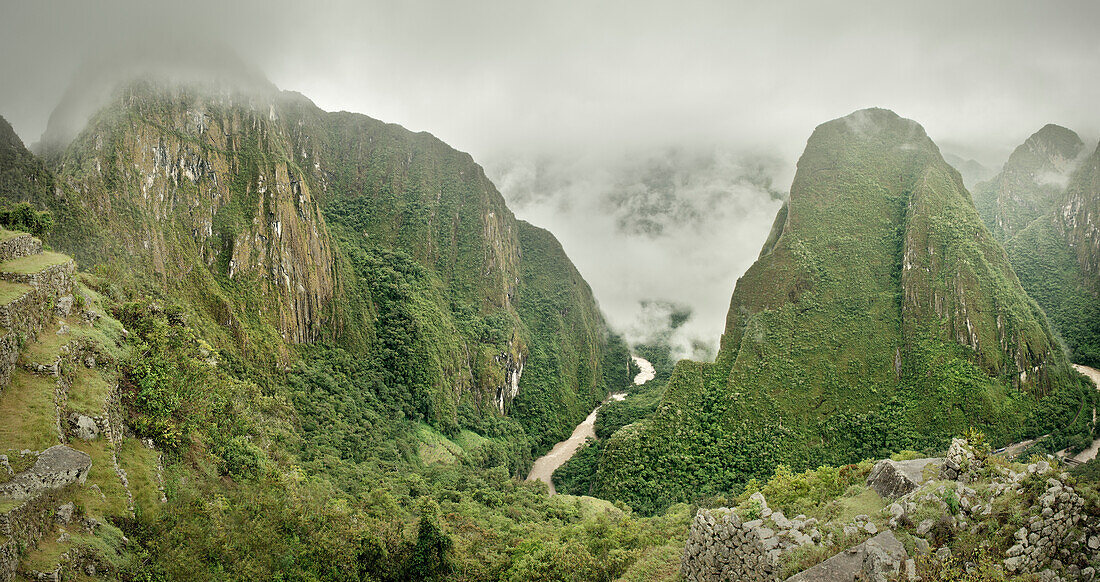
(876, 320)
(25, 218)
(1049, 271)
(349, 428)
(1039, 217)
(1030, 182)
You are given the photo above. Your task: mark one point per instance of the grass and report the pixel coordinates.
(436, 448)
(7, 505)
(47, 555)
(469, 440)
(46, 349)
(33, 263)
(140, 465)
(90, 389)
(6, 234)
(866, 502)
(658, 563)
(11, 291)
(102, 474)
(27, 406)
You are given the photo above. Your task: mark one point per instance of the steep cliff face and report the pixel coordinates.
(1030, 182)
(23, 177)
(1058, 262)
(283, 224)
(1078, 216)
(173, 176)
(881, 314)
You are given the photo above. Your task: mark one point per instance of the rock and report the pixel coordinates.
(64, 305)
(89, 361)
(892, 479)
(64, 513)
(925, 527)
(874, 559)
(84, 427)
(943, 553)
(921, 546)
(960, 461)
(55, 468)
(870, 528)
(91, 316)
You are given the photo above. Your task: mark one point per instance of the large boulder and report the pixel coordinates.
(55, 468)
(892, 479)
(874, 559)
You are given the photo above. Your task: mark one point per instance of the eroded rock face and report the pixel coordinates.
(892, 479)
(55, 468)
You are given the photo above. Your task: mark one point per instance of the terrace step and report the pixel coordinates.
(14, 245)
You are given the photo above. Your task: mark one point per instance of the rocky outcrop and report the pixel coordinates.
(55, 468)
(962, 462)
(1054, 535)
(892, 479)
(873, 560)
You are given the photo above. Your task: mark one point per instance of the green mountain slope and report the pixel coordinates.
(282, 225)
(1030, 182)
(1058, 264)
(23, 177)
(881, 314)
(331, 344)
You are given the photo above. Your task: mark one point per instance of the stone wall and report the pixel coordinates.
(23, 245)
(24, 525)
(722, 545)
(22, 318)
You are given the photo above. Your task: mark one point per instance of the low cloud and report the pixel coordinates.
(660, 235)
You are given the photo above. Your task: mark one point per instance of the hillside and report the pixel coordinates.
(1030, 182)
(1052, 247)
(332, 348)
(282, 225)
(881, 315)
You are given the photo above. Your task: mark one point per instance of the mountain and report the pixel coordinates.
(1026, 188)
(284, 225)
(972, 171)
(298, 341)
(881, 315)
(1058, 263)
(22, 175)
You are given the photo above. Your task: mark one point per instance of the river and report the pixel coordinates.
(545, 465)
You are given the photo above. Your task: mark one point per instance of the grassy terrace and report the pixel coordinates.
(29, 414)
(11, 291)
(33, 263)
(89, 391)
(6, 234)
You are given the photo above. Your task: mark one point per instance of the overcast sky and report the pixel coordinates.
(611, 83)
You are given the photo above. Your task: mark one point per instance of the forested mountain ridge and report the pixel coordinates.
(328, 349)
(1056, 257)
(1030, 181)
(273, 218)
(880, 315)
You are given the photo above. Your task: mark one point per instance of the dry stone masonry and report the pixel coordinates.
(723, 545)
